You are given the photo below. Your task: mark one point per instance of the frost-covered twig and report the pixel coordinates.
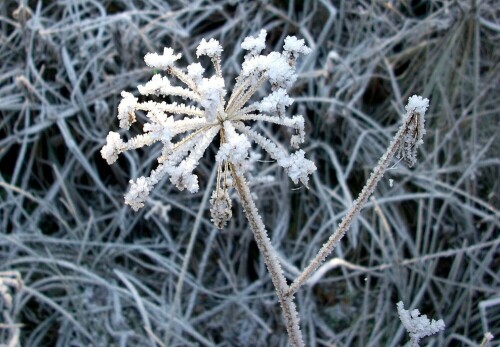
(405, 143)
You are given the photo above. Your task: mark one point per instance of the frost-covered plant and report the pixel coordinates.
(187, 130)
(209, 114)
(416, 325)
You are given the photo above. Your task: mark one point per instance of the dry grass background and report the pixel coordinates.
(96, 273)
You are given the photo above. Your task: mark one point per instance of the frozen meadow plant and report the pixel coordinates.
(209, 114)
(416, 325)
(187, 129)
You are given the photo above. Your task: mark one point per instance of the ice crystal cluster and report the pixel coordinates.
(186, 129)
(416, 325)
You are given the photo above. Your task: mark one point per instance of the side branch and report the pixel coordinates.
(366, 192)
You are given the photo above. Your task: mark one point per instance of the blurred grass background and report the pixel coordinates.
(97, 274)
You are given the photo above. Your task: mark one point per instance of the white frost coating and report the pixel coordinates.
(255, 44)
(414, 121)
(275, 68)
(186, 131)
(418, 326)
(211, 48)
(182, 176)
(276, 102)
(126, 110)
(159, 85)
(297, 122)
(195, 71)
(138, 193)
(162, 62)
(212, 91)
(297, 167)
(235, 148)
(173, 108)
(161, 131)
(295, 46)
(279, 73)
(253, 65)
(220, 208)
(201, 121)
(418, 104)
(114, 146)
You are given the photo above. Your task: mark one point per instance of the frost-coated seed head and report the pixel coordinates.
(220, 208)
(207, 113)
(414, 120)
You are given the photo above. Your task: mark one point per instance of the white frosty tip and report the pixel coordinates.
(138, 193)
(418, 104)
(163, 61)
(414, 129)
(297, 167)
(126, 110)
(235, 148)
(114, 146)
(418, 326)
(212, 91)
(276, 102)
(255, 44)
(211, 48)
(279, 72)
(195, 71)
(294, 45)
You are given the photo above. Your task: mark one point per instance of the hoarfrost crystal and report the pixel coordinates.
(207, 113)
(416, 325)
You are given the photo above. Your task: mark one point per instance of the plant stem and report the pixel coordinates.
(376, 175)
(270, 259)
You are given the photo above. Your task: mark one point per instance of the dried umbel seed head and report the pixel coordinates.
(187, 129)
(414, 130)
